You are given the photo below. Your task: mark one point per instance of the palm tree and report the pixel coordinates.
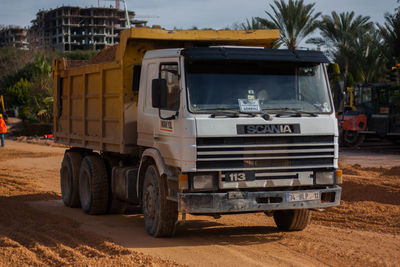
(252, 24)
(391, 34)
(339, 33)
(295, 21)
(370, 63)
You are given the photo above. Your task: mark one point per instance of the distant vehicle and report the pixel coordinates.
(375, 111)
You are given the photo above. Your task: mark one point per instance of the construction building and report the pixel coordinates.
(70, 28)
(14, 36)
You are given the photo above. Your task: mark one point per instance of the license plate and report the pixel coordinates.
(239, 176)
(302, 196)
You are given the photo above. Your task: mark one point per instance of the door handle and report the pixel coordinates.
(157, 138)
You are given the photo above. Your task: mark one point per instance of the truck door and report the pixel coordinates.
(157, 127)
(168, 128)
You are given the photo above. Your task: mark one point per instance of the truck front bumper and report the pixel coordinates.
(240, 201)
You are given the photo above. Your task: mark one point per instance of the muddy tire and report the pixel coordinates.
(93, 185)
(69, 178)
(292, 220)
(160, 214)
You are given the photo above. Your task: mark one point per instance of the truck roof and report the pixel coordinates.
(238, 53)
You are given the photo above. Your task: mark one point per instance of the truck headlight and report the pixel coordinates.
(203, 181)
(324, 177)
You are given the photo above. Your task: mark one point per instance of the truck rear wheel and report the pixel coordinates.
(69, 178)
(93, 185)
(292, 220)
(160, 214)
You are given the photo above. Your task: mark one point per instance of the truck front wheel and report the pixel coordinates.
(292, 220)
(69, 178)
(160, 214)
(93, 185)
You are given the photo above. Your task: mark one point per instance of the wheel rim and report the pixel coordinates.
(150, 202)
(84, 187)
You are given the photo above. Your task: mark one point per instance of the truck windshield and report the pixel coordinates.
(278, 86)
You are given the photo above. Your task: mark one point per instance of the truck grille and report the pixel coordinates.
(275, 154)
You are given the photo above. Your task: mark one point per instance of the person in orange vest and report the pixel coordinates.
(3, 129)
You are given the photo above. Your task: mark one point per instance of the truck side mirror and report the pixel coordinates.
(159, 93)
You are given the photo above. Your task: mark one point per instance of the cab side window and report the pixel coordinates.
(170, 73)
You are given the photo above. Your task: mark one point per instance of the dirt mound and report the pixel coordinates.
(394, 171)
(370, 200)
(105, 55)
(363, 231)
(76, 63)
(348, 169)
(30, 237)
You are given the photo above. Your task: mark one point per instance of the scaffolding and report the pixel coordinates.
(71, 28)
(14, 36)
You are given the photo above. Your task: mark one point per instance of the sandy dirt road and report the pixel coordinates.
(36, 229)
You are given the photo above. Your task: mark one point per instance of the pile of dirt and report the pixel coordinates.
(394, 171)
(29, 236)
(76, 63)
(105, 55)
(370, 200)
(348, 169)
(363, 231)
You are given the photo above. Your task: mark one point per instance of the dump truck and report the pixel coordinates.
(198, 122)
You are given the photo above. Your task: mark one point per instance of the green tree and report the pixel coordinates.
(11, 61)
(369, 65)
(295, 21)
(390, 32)
(45, 112)
(252, 24)
(29, 87)
(19, 95)
(340, 33)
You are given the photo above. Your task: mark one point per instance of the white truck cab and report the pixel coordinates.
(282, 156)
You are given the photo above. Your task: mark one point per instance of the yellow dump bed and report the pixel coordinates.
(95, 106)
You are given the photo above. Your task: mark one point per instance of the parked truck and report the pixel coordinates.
(197, 122)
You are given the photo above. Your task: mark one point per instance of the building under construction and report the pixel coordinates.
(14, 36)
(70, 28)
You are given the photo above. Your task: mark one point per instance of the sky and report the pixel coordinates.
(184, 14)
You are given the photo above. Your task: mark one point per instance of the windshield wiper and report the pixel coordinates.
(292, 113)
(231, 114)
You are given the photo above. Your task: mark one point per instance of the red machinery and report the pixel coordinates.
(377, 112)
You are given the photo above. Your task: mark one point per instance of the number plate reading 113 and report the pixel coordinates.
(302, 196)
(239, 176)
